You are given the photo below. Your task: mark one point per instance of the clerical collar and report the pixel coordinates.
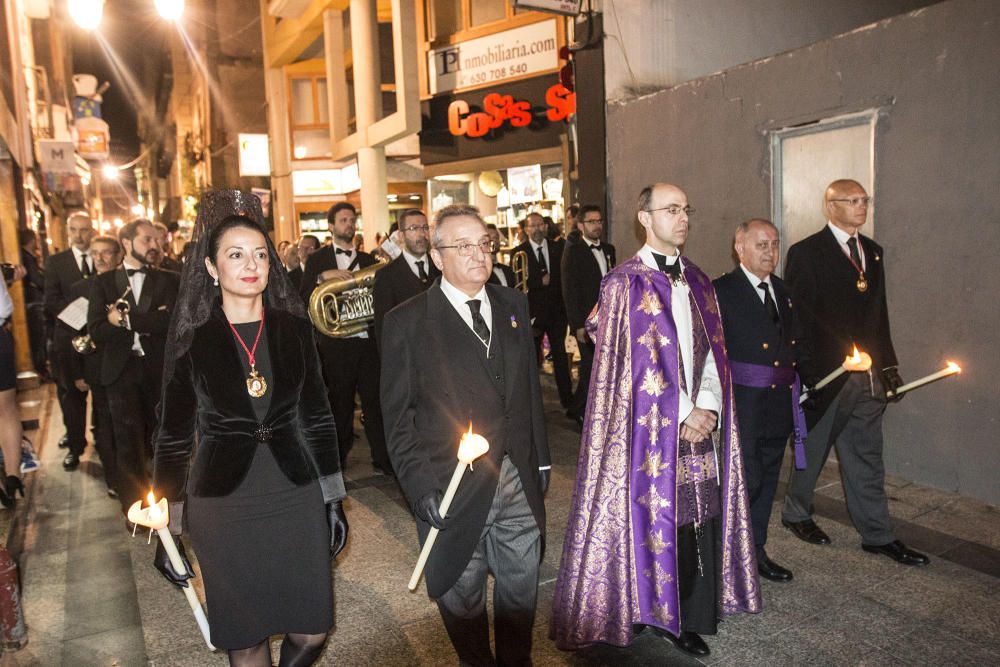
(840, 234)
(754, 280)
(646, 255)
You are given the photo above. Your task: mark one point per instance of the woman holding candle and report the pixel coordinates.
(242, 375)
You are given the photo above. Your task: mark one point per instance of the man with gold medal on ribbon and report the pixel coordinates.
(837, 277)
(260, 498)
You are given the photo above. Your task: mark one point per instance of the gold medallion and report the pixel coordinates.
(862, 283)
(256, 385)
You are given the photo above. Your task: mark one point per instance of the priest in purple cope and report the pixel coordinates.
(659, 528)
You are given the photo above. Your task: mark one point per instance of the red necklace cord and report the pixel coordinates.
(250, 351)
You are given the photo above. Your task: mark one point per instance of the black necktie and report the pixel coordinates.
(672, 270)
(420, 270)
(852, 245)
(542, 266)
(341, 251)
(597, 247)
(84, 267)
(769, 304)
(478, 323)
(132, 272)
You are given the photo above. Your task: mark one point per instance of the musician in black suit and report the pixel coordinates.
(132, 343)
(409, 274)
(501, 274)
(350, 365)
(838, 282)
(462, 352)
(62, 271)
(548, 313)
(766, 349)
(585, 262)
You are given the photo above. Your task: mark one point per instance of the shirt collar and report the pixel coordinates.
(78, 253)
(840, 234)
(413, 259)
(536, 246)
(646, 255)
(457, 297)
(754, 280)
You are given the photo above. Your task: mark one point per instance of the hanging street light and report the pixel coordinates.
(86, 13)
(171, 10)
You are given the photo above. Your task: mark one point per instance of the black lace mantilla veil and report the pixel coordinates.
(197, 295)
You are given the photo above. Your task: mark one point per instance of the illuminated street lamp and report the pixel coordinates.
(86, 13)
(110, 172)
(138, 209)
(170, 9)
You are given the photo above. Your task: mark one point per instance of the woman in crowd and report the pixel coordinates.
(10, 416)
(242, 374)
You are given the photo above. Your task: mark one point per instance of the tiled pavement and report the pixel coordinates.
(91, 596)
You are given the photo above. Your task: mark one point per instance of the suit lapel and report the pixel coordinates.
(122, 284)
(505, 335)
(148, 285)
(462, 342)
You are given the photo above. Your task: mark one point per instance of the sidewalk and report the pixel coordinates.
(91, 596)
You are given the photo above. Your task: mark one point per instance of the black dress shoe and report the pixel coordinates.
(807, 531)
(899, 552)
(71, 462)
(689, 642)
(64, 442)
(768, 569)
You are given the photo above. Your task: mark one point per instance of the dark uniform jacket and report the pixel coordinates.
(752, 338)
(581, 279)
(546, 302)
(507, 272)
(440, 381)
(397, 283)
(62, 272)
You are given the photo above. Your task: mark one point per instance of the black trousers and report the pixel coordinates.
(556, 332)
(132, 400)
(762, 459)
(578, 404)
(698, 596)
(72, 401)
(104, 435)
(351, 365)
(37, 338)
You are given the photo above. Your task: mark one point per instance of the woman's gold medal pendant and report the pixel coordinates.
(862, 283)
(256, 385)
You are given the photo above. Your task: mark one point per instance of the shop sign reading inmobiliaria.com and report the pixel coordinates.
(530, 49)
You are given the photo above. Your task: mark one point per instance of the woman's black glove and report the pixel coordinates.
(426, 508)
(543, 479)
(892, 381)
(162, 563)
(338, 527)
(11, 486)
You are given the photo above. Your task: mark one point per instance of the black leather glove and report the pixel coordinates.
(338, 527)
(426, 508)
(11, 486)
(543, 479)
(891, 382)
(162, 563)
(812, 397)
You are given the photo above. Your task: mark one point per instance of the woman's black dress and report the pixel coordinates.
(263, 549)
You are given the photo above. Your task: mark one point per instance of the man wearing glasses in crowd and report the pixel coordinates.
(462, 355)
(409, 274)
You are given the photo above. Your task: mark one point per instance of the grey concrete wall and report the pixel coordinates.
(937, 204)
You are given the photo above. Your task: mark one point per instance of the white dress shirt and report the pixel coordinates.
(842, 238)
(459, 301)
(412, 261)
(755, 281)
(598, 253)
(710, 395)
(498, 272)
(544, 245)
(136, 281)
(6, 304)
(79, 256)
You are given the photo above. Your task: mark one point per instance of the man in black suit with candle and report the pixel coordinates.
(132, 350)
(838, 282)
(463, 354)
(545, 298)
(351, 364)
(409, 274)
(585, 262)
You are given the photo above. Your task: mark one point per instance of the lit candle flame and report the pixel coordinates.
(472, 446)
(953, 367)
(856, 357)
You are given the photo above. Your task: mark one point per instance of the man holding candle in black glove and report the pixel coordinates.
(463, 356)
(838, 282)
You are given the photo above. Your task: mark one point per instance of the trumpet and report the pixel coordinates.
(519, 265)
(122, 306)
(83, 344)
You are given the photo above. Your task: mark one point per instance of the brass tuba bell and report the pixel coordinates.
(342, 308)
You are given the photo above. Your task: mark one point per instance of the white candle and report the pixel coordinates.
(951, 369)
(858, 361)
(470, 448)
(157, 516)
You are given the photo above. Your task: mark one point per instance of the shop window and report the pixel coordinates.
(449, 17)
(487, 11)
(310, 117)
(446, 16)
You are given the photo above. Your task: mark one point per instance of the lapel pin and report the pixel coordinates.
(513, 322)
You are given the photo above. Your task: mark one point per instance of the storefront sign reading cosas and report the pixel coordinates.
(499, 109)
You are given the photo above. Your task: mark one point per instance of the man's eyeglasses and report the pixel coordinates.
(417, 228)
(469, 249)
(767, 245)
(856, 201)
(599, 221)
(673, 209)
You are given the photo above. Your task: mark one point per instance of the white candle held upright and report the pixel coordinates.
(951, 369)
(857, 362)
(470, 448)
(156, 517)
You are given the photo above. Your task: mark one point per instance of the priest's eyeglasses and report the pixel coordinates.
(673, 209)
(856, 201)
(469, 249)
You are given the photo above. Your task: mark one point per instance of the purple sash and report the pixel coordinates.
(754, 375)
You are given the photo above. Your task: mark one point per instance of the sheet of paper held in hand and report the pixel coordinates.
(75, 314)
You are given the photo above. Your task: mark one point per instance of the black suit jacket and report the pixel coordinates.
(61, 273)
(752, 338)
(325, 259)
(438, 383)
(581, 280)
(295, 275)
(150, 318)
(207, 396)
(395, 284)
(546, 302)
(508, 273)
(33, 282)
(835, 315)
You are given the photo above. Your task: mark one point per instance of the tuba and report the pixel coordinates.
(519, 265)
(342, 308)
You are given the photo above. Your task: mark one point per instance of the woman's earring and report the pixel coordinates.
(216, 282)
